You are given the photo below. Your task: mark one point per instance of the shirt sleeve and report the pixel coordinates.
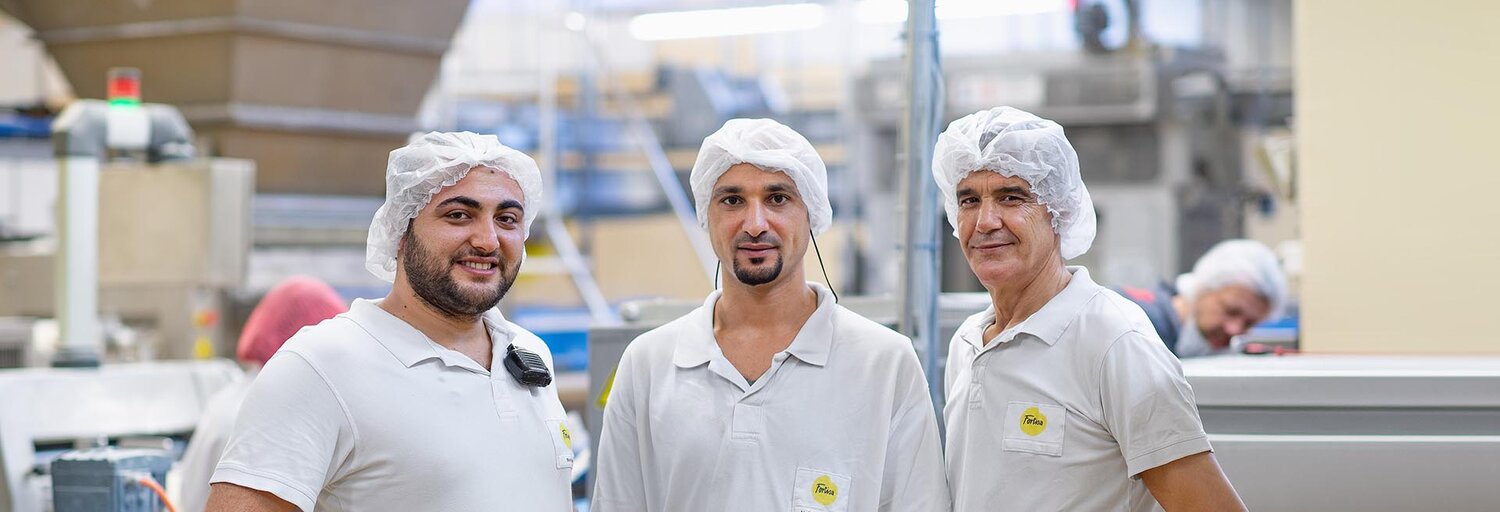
(914, 478)
(620, 485)
(292, 434)
(1148, 404)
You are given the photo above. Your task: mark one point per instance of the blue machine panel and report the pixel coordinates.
(106, 480)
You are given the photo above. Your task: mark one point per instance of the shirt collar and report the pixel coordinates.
(811, 345)
(410, 346)
(1048, 323)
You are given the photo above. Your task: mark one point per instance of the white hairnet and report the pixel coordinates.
(771, 146)
(1015, 143)
(1243, 262)
(420, 169)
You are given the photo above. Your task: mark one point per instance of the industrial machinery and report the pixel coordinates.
(1153, 132)
(174, 231)
(49, 411)
(157, 235)
(197, 215)
(110, 480)
(1347, 433)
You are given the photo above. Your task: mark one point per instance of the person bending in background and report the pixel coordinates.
(289, 306)
(1234, 286)
(1060, 395)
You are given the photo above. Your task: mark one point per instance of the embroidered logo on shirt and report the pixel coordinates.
(824, 491)
(1033, 422)
(567, 437)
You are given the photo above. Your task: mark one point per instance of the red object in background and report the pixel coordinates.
(291, 305)
(124, 85)
(1139, 294)
(206, 318)
(1261, 349)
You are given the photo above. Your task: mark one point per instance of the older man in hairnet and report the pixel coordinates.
(771, 396)
(1060, 395)
(427, 399)
(1234, 286)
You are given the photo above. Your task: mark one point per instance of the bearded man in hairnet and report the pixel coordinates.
(427, 399)
(771, 396)
(1060, 395)
(1234, 286)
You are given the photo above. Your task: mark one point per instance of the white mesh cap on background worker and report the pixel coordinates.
(1238, 262)
(771, 146)
(1015, 143)
(436, 160)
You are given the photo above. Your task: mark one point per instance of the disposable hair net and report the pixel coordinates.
(1015, 143)
(1238, 262)
(768, 145)
(288, 307)
(419, 170)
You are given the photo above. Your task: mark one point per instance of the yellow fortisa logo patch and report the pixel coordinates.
(567, 437)
(1033, 422)
(824, 491)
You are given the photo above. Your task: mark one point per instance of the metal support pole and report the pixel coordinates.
(557, 232)
(920, 243)
(76, 269)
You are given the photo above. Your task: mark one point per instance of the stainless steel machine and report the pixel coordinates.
(47, 412)
(1354, 433)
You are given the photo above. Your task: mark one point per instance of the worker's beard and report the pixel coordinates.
(759, 275)
(431, 278)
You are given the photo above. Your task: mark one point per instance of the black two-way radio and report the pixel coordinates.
(527, 367)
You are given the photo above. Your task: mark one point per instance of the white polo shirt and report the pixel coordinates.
(1065, 410)
(363, 412)
(842, 421)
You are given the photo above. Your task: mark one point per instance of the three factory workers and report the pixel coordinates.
(770, 396)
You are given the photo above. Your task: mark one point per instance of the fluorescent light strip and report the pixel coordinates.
(805, 16)
(875, 12)
(726, 22)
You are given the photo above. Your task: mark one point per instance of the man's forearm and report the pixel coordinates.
(1195, 482)
(227, 497)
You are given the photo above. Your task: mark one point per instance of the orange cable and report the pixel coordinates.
(160, 492)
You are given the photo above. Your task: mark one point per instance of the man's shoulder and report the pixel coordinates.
(663, 339)
(1111, 309)
(330, 340)
(1110, 317)
(868, 334)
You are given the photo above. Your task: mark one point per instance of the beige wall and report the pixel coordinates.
(1398, 140)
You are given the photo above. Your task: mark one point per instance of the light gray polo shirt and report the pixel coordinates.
(1064, 410)
(841, 422)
